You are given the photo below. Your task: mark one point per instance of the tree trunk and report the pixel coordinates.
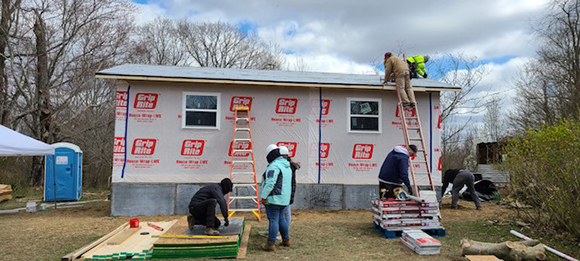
(44, 111)
(5, 21)
(523, 250)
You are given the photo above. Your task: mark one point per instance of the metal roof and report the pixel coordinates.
(248, 76)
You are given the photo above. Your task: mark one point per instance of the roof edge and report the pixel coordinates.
(253, 82)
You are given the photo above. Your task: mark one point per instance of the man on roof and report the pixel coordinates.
(417, 66)
(396, 70)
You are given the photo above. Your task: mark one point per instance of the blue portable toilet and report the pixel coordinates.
(69, 173)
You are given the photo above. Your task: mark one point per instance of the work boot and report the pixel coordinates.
(270, 246)
(210, 231)
(190, 222)
(286, 242)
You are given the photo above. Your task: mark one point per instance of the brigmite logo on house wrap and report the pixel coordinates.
(119, 146)
(291, 147)
(362, 151)
(240, 145)
(324, 149)
(146, 101)
(144, 147)
(192, 147)
(240, 101)
(286, 105)
(325, 107)
(121, 99)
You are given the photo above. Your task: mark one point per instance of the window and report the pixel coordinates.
(364, 115)
(201, 110)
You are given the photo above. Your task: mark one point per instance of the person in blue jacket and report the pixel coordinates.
(395, 170)
(275, 195)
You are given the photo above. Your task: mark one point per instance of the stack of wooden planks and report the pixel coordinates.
(180, 242)
(122, 243)
(5, 192)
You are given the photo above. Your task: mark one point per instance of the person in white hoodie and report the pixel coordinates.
(395, 170)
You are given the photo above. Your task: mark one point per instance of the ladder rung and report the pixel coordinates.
(415, 139)
(234, 151)
(242, 162)
(246, 139)
(243, 197)
(419, 161)
(242, 129)
(243, 209)
(413, 128)
(244, 185)
(242, 119)
(421, 173)
(242, 173)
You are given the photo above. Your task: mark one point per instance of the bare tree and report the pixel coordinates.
(157, 42)
(459, 70)
(550, 86)
(223, 45)
(492, 119)
(6, 20)
(53, 50)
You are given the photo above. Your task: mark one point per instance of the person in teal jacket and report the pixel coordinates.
(275, 195)
(417, 66)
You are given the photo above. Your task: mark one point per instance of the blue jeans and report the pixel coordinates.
(288, 215)
(276, 222)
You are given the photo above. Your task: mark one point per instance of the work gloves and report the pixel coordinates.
(227, 222)
(264, 201)
(425, 75)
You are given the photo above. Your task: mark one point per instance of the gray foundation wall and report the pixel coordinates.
(146, 199)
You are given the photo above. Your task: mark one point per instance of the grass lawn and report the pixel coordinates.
(315, 235)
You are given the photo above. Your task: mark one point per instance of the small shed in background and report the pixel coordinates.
(489, 155)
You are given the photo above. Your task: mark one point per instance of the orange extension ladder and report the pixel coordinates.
(243, 165)
(417, 136)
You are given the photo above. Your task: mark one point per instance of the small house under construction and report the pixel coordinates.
(174, 130)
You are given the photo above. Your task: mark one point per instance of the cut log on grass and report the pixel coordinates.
(516, 251)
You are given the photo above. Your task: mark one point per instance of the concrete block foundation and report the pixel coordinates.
(145, 199)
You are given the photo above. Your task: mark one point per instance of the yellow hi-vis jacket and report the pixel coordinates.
(419, 62)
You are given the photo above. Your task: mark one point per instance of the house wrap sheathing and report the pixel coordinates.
(174, 127)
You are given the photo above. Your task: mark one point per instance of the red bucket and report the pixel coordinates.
(134, 223)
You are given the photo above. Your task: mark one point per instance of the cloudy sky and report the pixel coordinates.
(348, 36)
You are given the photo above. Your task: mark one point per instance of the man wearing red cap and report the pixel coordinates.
(398, 71)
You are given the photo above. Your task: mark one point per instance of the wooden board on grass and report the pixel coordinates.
(133, 245)
(244, 244)
(482, 258)
(122, 236)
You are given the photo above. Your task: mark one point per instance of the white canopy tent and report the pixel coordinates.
(13, 143)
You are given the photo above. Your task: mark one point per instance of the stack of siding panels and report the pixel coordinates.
(420, 242)
(405, 213)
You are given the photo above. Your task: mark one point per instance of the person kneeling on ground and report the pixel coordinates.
(203, 203)
(276, 190)
(459, 178)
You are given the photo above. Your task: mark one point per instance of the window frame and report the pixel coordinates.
(184, 110)
(349, 115)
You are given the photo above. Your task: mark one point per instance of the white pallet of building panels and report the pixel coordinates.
(421, 242)
(395, 223)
